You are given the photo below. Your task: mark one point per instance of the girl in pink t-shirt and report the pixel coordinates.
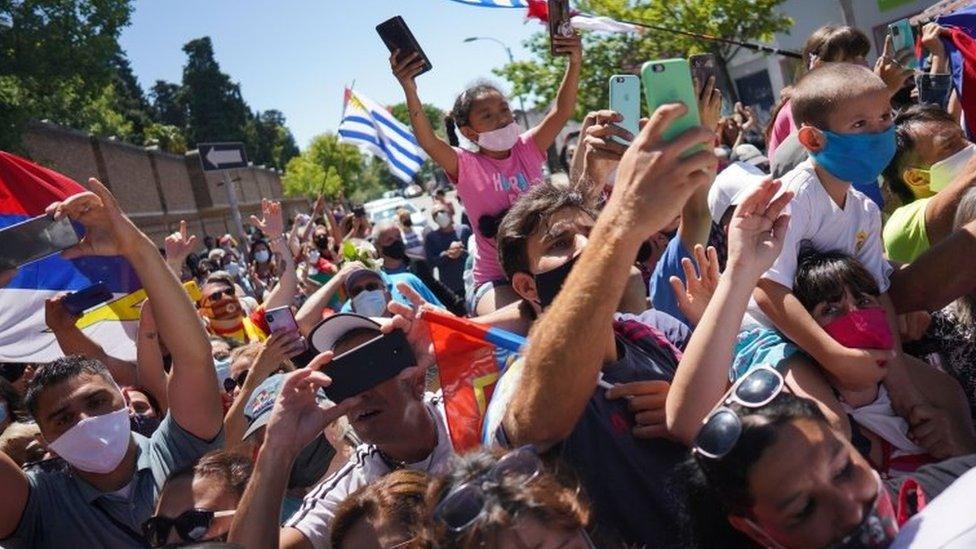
(507, 163)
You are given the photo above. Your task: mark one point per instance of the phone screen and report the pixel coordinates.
(368, 365)
(86, 298)
(397, 36)
(34, 239)
(559, 25)
(703, 66)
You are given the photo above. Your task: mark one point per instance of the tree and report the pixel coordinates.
(327, 167)
(56, 61)
(168, 104)
(130, 101)
(215, 109)
(608, 54)
(268, 140)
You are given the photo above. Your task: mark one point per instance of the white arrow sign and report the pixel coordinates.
(218, 158)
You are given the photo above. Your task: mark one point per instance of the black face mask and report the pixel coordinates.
(397, 250)
(322, 242)
(144, 425)
(548, 284)
(312, 462)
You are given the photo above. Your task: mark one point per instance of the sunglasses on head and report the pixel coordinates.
(12, 371)
(191, 526)
(368, 287)
(465, 505)
(723, 427)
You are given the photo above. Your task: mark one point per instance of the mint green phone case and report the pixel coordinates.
(625, 98)
(669, 81)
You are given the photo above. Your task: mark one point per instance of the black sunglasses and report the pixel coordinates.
(229, 292)
(722, 428)
(368, 287)
(465, 505)
(12, 371)
(191, 526)
(238, 381)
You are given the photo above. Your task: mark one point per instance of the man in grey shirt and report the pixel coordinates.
(107, 480)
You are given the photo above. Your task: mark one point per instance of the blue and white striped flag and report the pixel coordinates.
(372, 128)
(497, 3)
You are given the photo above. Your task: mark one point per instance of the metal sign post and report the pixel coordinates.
(223, 157)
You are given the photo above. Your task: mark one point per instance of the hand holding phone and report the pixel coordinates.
(625, 99)
(669, 81)
(34, 239)
(78, 302)
(559, 24)
(903, 43)
(400, 41)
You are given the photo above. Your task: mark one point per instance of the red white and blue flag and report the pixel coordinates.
(26, 190)
(496, 3)
(961, 47)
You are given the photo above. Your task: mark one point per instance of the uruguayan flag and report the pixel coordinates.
(371, 127)
(497, 3)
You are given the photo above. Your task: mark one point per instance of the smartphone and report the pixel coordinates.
(669, 81)
(903, 42)
(34, 239)
(86, 298)
(559, 25)
(625, 99)
(281, 319)
(368, 365)
(704, 66)
(397, 36)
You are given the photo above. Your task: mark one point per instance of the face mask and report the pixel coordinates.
(856, 157)
(233, 269)
(313, 257)
(370, 303)
(144, 425)
(442, 219)
(322, 241)
(862, 329)
(397, 250)
(879, 527)
(95, 444)
(944, 171)
(262, 256)
(548, 284)
(312, 462)
(500, 140)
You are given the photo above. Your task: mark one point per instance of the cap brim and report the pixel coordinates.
(324, 336)
(358, 274)
(261, 421)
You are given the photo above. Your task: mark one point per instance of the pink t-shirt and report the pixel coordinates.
(783, 126)
(488, 186)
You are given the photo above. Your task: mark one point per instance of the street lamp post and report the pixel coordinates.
(511, 60)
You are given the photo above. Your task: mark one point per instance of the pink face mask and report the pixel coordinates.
(862, 329)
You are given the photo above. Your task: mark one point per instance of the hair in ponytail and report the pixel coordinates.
(451, 129)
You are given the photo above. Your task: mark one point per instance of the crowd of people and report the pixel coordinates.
(787, 320)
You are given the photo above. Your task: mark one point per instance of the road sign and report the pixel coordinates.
(222, 156)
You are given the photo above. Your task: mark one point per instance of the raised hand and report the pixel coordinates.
(271, 222)
(890, 70)
(107, 230)
(56, 316)
(757, 229)
(409, 318)
(932, 39)
(694, 294)
(571, 45)
(654, 180)
(709, 103)
(276, 349)
(180, 244)
(405, 71)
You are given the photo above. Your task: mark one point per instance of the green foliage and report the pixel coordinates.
(326, 167)
(215, 109)
(166, 137)
(268, 140)
(607, 54)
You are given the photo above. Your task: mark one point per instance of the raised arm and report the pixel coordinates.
(755, 240)
(193, 396)
(149, 357)
(311, 312)
(74, 342)
(178, 247)
(439, 150)
(272, 225)
(544, 135)
(942, 274)
(696, 219)
(653, 182)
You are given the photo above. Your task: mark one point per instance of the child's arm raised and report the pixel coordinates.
(439, 150)
(544, 135)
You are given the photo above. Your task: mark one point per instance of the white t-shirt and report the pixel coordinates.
(817, 221)
(314, 518)
(947, 522)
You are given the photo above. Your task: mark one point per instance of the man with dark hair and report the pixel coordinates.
(930, 173)
(106, 481)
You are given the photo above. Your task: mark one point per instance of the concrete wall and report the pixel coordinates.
(157, 189)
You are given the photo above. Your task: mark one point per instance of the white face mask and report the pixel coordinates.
(443, 219)
(313, 257)
(233, 269)
(96, 444)
(262, 256)
(944, 171)
(370, 303)
(500, 140)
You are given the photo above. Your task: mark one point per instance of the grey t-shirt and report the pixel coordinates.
(64, 511)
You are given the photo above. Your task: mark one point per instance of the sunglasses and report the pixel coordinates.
(191, 526)
(229, 292)
(231, 383)
(368, 287)
(12, 371)
(465, 505)
(723, 427)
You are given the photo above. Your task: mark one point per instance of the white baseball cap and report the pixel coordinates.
(731, 186)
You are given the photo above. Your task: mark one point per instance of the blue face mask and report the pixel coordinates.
(856, 157)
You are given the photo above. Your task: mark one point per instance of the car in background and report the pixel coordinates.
(413, 191)
(385, 209)
(391, 194)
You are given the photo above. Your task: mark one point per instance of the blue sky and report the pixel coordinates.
(296, 56)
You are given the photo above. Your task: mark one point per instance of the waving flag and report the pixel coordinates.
(372, 128)
(470, 359)
(961, 47)
(496, 3)
(26, 189)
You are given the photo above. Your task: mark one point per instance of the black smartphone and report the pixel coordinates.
(86, 298)
(703, 66)
(559, 25)
(368, 365)
(34, 239)
(397, 36)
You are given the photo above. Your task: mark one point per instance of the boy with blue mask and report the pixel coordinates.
(846, 124)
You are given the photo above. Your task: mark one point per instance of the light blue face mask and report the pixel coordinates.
(856, 157)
